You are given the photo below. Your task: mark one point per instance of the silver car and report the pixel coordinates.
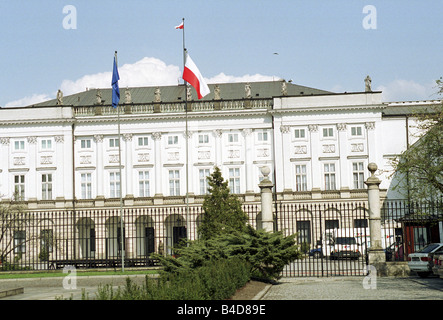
(420, 261)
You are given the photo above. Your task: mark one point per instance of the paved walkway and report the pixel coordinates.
(333, 288)
(354, 288)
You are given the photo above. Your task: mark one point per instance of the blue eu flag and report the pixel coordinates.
(115, 89)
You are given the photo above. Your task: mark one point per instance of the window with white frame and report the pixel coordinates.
(143, 183)
(174, 182)
(172, 140)
(329, 176)
(262, 136)
(114, 142)
(19, 145)
(203, 138)
(143, 141)
(20, 241)
(85, 143)
(301, 180)
(86, 186)
(232, 137)
(356, 131)
(114, 184)
(47, 186)
(19, 187)
(204, 185)
(234, 180)
(358, 175)
(328, 132)
(299, 133)
(46, 144)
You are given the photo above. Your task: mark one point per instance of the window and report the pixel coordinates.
(114, 184)
(262, 136)
(328, 132)
(203, 138)
(361, 223)
(234, 180)
(114, 142)
(329, 176)
(204, 185)
(20, 241)
(232, 137)
(172, 140)
(143, 183)
(47, 186)
(46, 240)
(174, 182)
(19, 187)
(304, 232)
(358, 175)
(46, 144)
(356, 131)
(331, 224)
(86, 186)
(301, 183)
(299, 133)
(85, 143)
(143, 141)
(19, 145)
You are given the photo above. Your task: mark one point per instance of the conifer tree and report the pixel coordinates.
(223, 211)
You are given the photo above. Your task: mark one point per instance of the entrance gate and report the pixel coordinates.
(333, 237)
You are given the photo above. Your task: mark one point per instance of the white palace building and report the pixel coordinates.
(61, 157)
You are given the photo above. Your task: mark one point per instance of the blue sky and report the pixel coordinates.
(321, 44)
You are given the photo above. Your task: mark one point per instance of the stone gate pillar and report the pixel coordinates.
(376, 255)
(266, 200)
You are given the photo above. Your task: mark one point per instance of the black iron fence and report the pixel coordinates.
(334, 237)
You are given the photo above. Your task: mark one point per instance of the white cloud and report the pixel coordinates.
(407, 90)
(145, 72)
(27, 101)
(223, 78)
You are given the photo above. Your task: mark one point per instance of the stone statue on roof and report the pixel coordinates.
(248, 90)
(158, 95)
(128, 97)
(217, 92)
(98, 97)
(59, 97)
(188, 93)
(368, 84)
(284, 89)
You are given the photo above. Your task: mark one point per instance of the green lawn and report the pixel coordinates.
(18, 275)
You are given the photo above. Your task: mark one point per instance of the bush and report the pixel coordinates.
(215, 280)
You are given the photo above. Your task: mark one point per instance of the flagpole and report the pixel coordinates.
(186, 131)
(122, 235)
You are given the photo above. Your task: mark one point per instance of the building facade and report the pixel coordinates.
(66, 155)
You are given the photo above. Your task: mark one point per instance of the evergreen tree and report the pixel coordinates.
(223, 211)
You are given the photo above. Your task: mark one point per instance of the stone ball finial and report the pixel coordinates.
(265, 171)
(372, 167)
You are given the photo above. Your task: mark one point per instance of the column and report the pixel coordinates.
(31, 180)
(5, 188)
(370, 133)
(248, 159)
(157, 136)
(266, 200)
(376, 255)
(99, 165)
(60, 165)
(286, 143)
(316, 170)
(218, 147)
(127, 137)
(343, 157)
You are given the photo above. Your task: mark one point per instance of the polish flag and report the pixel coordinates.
(192, 75)
(180, 26)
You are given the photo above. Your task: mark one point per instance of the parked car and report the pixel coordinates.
(420, 261)
(433, 259)
(437, 264)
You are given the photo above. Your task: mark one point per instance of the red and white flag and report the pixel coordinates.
(180, 26)
(192, 75)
